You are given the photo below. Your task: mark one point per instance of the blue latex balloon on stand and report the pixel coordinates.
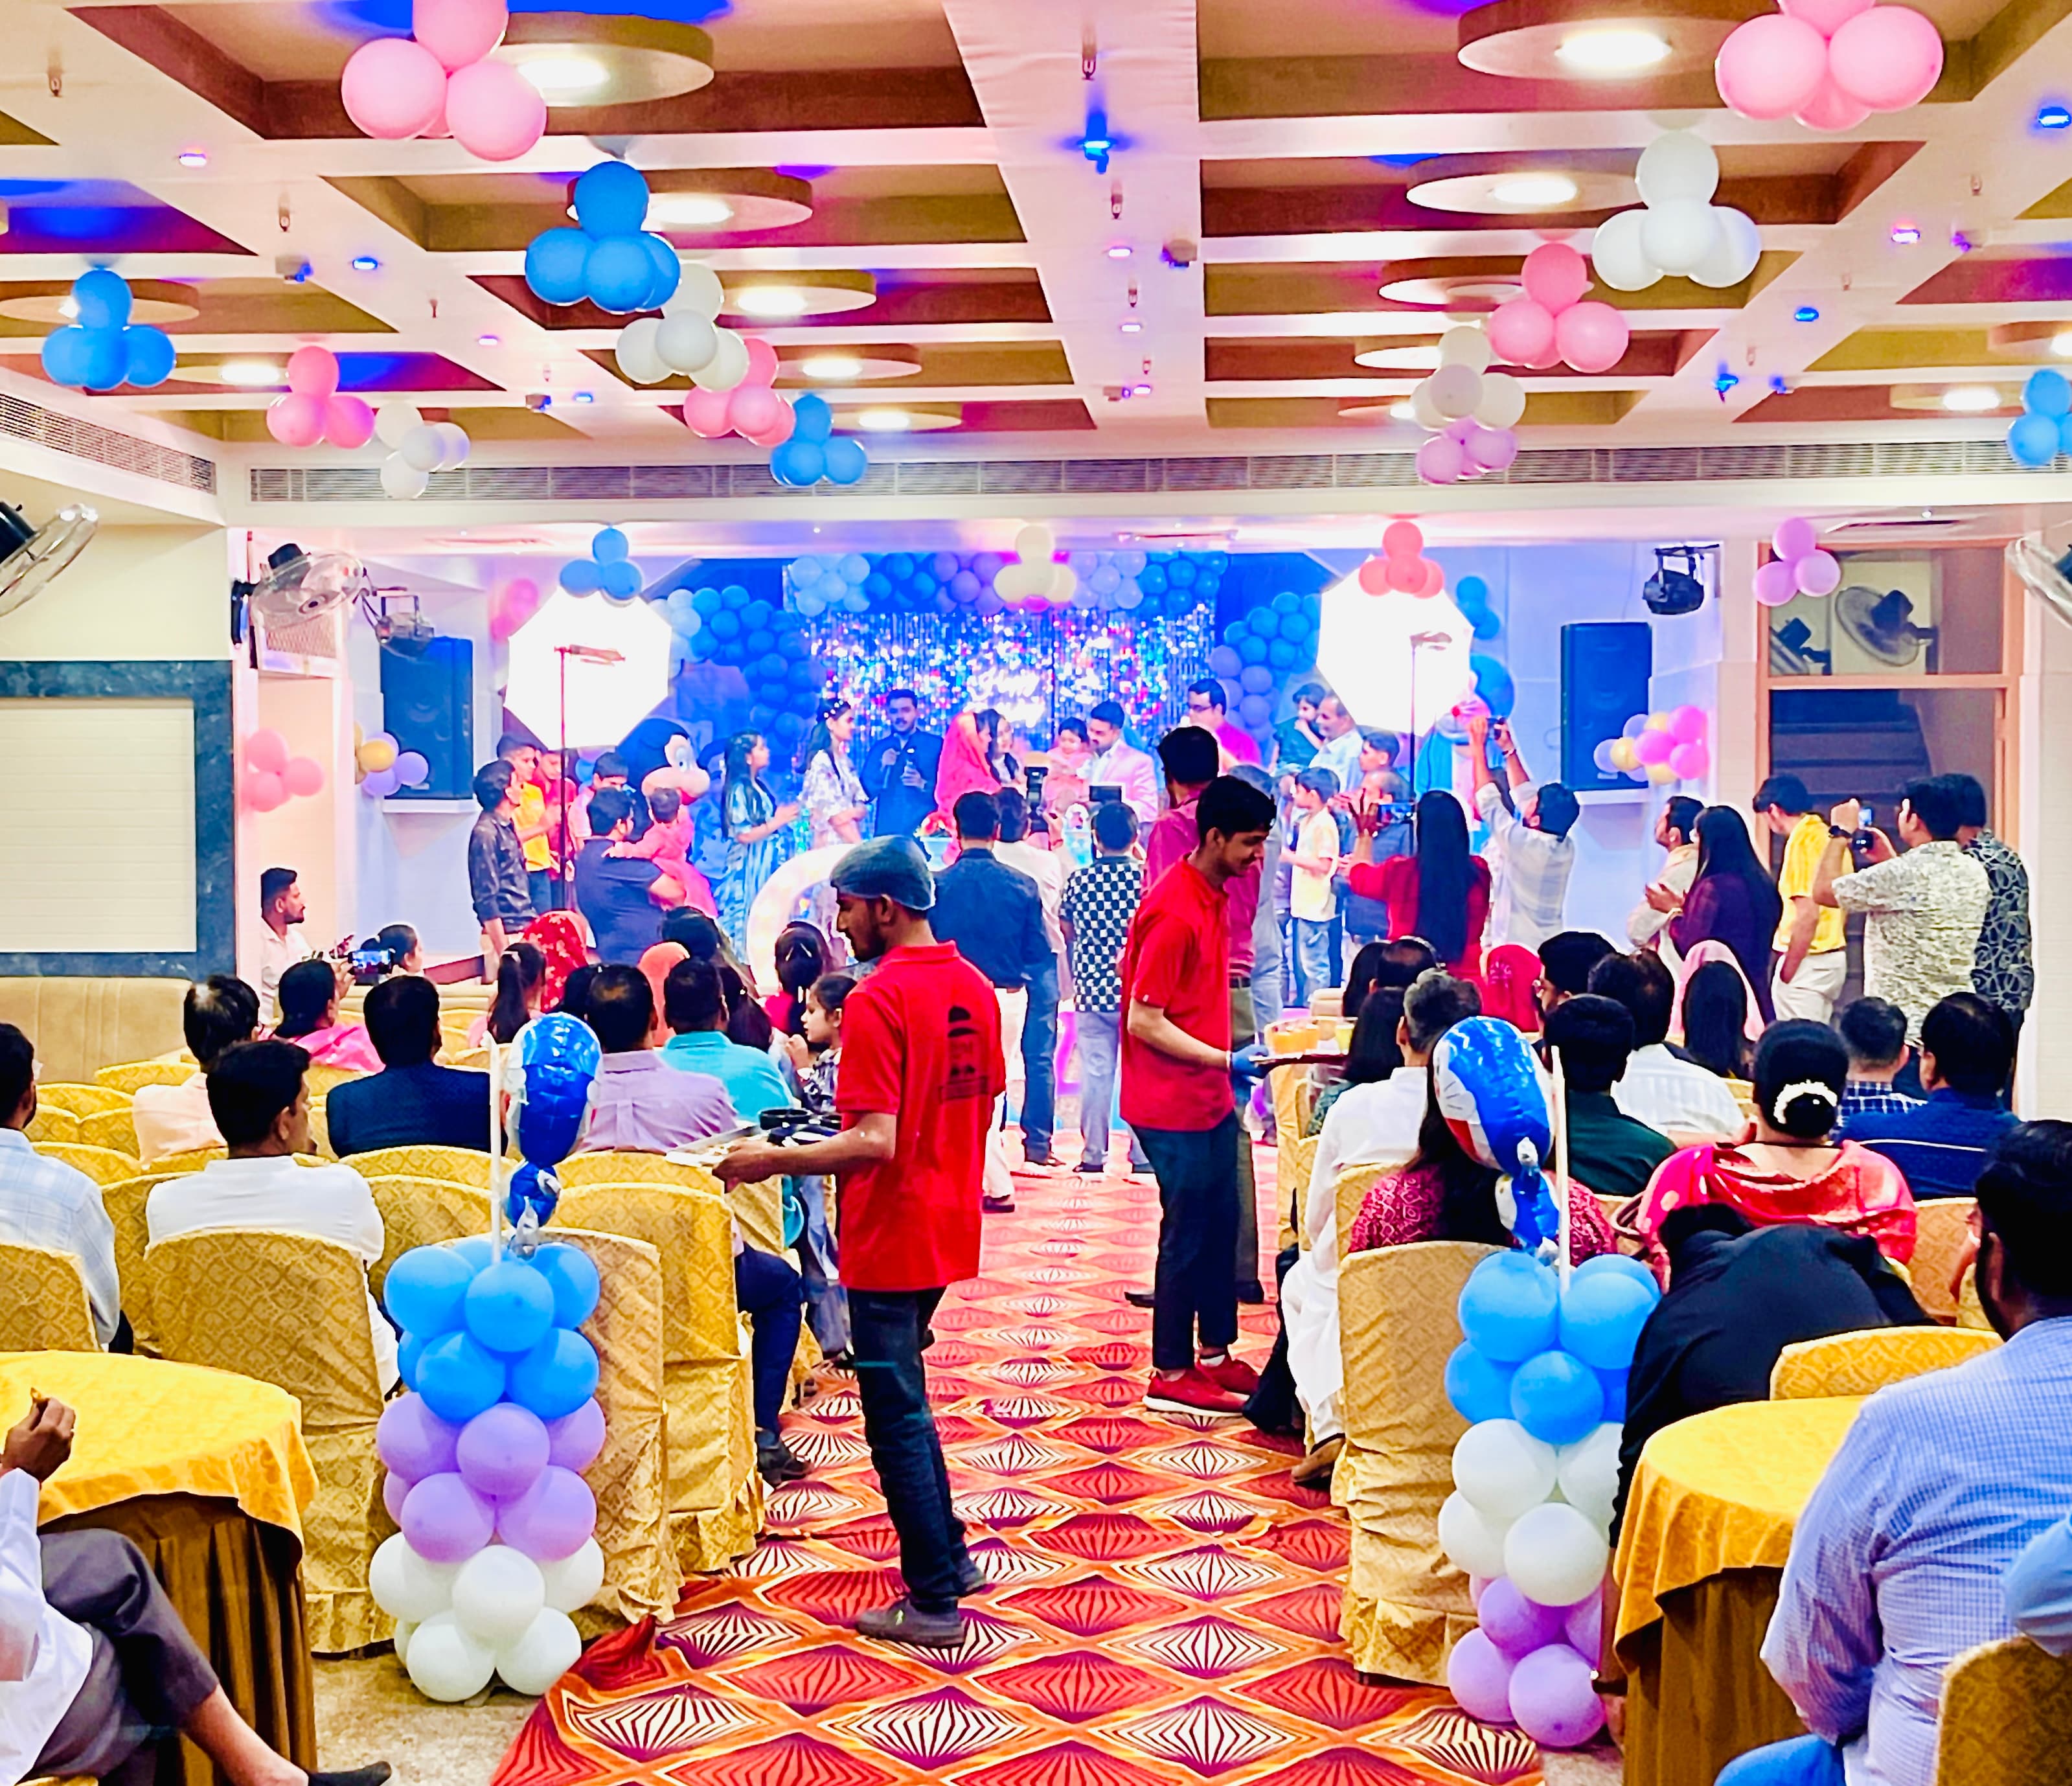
(559, 1057)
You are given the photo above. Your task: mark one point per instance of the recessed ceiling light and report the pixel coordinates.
(585, 396)
(365, 263)
(832, 366)
(2054, 116)
(1967, 399)
(883, 422)
(1905, 234)
(254, 374)
(1132, 326)
(2060, 343)
(1140, 390)
(192, 157)
(1531, 191)
(689, 211)
(1612, 49)
(489, 341)
(770, 300)
(1120, 251)
(1806, 313)
(558, 74)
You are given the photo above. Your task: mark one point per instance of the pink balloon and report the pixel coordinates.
(392, 88)
(1516, 1625)
(1461, 430)
(1521, 333)
(513, 605)
(705, 413)
(775, 436)
(1775, 583)
(1817, 573)
(1555, 276)
(1830, 108)
(1439, 460)
(1827, 16)
(348, 422)
(296, 420)
(266, 752)
(1373, 576)
(264, 792)
(1889, 58)
(762, 361)
(1403, 539)
(1555, 1699)
(304, 777)
(458, 32)
(1584, 1627)
(494, 111)
(1479, 1676)
(1688, 725)
(1405, 574)
(1690, 762)
(1794, 538)
(1653, 747)
(1435, 579)
(313, 372)
(755, 408)
(1770, 66)
(1492, 449)
(1592, 337)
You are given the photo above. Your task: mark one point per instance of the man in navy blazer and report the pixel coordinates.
(413, 1100)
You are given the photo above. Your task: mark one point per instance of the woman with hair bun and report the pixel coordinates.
(1788, 1169)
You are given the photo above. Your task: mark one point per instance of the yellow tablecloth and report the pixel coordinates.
(1719, 1492)
(148, 1427)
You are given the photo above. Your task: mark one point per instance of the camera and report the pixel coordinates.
(370, 962)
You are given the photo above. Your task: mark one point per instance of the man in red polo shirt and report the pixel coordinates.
(921, 1065)
(1177, 1067)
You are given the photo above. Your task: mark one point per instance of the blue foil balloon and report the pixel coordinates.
(561, 1057)
(1488, 1088)
(534, 1189)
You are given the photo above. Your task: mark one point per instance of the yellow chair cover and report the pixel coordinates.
(173, 1165)
(1404, 1605)
(320, 1129)
(454, 1165)
(115, 1129)
(51, 1124)
(1858, 1363)
(424, 1212)
(1971, 1312)
(291, 1309)
(1942, 1231)
(103, 1165)
(82, 1100)
(130, 1074)
(635, 1169)
(2007, 1717)
(1350, 1191)
(43, 1305)
(759, 1208)
(320, 1078)
(1295, 1159)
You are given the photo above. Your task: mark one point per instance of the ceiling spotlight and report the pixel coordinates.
(365, 263)
(1404, 411)
(2060, 343)
(1140, 390)
(774, 301)
(585, 396)
(1612, 49)
(1971, 399)
(832, 366)
(2053, 115)
(560, 75)
(1131, 326)
(1806, 313)
(192, 157)
(252, 374)
(1534, 191)
(883, 422)
(1905, 234)
(489, 340)
(688, 210)
(1119, 252)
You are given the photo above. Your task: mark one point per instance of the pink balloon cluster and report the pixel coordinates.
(440, 81)
(1530, 1666)
(511, 606)
(1403, 565)
(313, 410)
(1552, 324)
(1660, 747)
(272, 777)
(1466, 449)
(1800, 567)
(1829, 63)
(752, 409)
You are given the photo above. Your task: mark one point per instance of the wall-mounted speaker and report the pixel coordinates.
(428, 703)
(1606, 667)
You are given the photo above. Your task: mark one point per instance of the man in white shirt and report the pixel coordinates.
(96, 1669)
(1340, 751)
(1118, 763)
(1647, 924)
(45, 1203)
(261, 1104)
(1530, 852)
(1686, 1101)
(176, 1119)
(280, 909)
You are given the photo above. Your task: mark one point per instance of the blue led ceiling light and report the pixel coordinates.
(1097, 145)
(2054, 115)
(1806, 313)
(1724, 381)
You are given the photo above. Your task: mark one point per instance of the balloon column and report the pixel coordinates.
(1679, 229)
(103, 349)
(768, 644)
(1034, 579)
(1829, 63)
(417, 448)
(606, 256)
(1799, 568)
(1472, 412)
(272, 777)
(381, 766)
(313, 410)
(558, 1058)
(813, 452)
(2044, 429)
(608, 569)
(685, 340)
(1660, 747)
(1553, 321)
(440, 81)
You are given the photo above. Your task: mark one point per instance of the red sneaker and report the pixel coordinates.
(1232, 1374)
(1195, 1391)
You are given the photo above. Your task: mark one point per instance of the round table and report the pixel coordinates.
(1708, 1529)
(207, 1474)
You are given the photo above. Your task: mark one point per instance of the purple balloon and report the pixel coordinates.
(410, 768)
(574, 1441)
(1514, 1624)
(551, 1519)
(945, 565)
(446, 1521)
(988, 604)
(964, 585)
(414, 1441)
(395, 1491)
(380, 784)
(1554, 1698)
(985, 566)
(503, 1450)
(1584, 1628)
(1479, 1676)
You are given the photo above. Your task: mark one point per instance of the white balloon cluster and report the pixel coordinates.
(417, 448)
(457, 1621)
(1036, 578)
(684, 338)
(1473, 411)
(1679, 229)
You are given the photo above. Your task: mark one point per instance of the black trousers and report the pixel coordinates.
(1195, 1287)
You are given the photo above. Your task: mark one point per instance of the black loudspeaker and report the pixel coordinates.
(428, 703)
(1606, 665)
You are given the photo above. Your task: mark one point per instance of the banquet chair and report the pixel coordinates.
(128, 1075)
(51, 1124)
(1861, 1362)
(759, 1207)
(424, 1212)
(320, 1078)
(1404, 1606)
(715, 1497)
(174, 1165)
(424, 1160)
(1349, 1190)
(1942, 1231)
(291, 1309)
(2006, 1718)
(1971, 1312)
(125, 1204)
(43, 1303)
(103, 1165)
(82, 1100)
(320, 1130)
(115, 1128)
(1297, 1160)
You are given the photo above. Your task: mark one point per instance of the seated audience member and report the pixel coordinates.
(1790, 1170)
(575, 992)
(521, 979)
(413, 1101)
(399, 942)
(1565, 961)
(1897, 1560)
(655, 965)
(639, 1104)
(309, 1019)
(176, 1119)
(2037, 1588)
(261, 1102)
(747, 1023)
(563, 942)
(1614, 1153)
(1676, 1097)
(97, 1670)
(695, 1007)
(46, 1203)
(1716, 1008)
(1874, 1031)
(1738, 1295)
(1941, 1144)
(1393, 969)
(801, 956)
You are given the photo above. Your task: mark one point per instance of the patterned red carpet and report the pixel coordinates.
(1166, 1606)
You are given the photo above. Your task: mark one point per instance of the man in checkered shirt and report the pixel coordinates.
(1874, 1031)
(1099, 900)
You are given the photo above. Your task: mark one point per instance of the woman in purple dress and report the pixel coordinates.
(1733, 901)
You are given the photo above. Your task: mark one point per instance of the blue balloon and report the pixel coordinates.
(1254, 678)
(425, 1289)
(846, 460)
(1225, 661)
(668, 271)
(622, 580)
(509, 1308)
(476, 1250)
(1152, 579)
(1296, 625)
(1280, 653)
(2033, 441)
(150, 354)
(608, 545)
(758, 613)
(611, 199)
(1618, 1265)
(813, 420)
(707, 602)
(560, 1056)
(618, 274)
(1471, 593)
(1601, 1317)
(734, 595)
(800, 464)
(67, 357)
(408, 1355)
(2047, 393)
(557, 1376)
(1613, 1384)
(1479, 1387)
(2064, 435)
(102, 295)
(1486, 623)
(1264, 622)
(1509, 1308)
(1494, 684)
(458, 1377)
(581, 577)
(1215, 563)
(571, 1274)
(1251, 648)
(1181, 573)
(854, 568)
(107, 359)
(554, 263)
(1556, 1397)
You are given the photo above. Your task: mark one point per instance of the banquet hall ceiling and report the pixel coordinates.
(1272, 182)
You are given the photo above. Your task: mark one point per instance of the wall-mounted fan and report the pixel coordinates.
(307, 586)
(30, 557)
(1882, 624)
(2044, 563)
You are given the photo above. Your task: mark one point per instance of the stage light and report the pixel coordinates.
(1971, 399)
(1534, 191)
(192, 157)
(1670, 591)
(1806, 313)
(365, 263)
(689, 211)
(832, 366)
(251, 374)
(1612, 49)
(770, 301)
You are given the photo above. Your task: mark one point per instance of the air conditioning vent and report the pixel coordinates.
(24, 420)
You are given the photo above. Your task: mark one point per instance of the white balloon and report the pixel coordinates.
(728, 366)
(1588, 1473)
(1464, 345)
(1034, 541)
(547, 1651)
(393, 421)
(446, 1662)
(422, 450)
(1063, 585)
(1554, 1554)
(403, 1630)
(1421, 410)
(498, 1593)
(573, 1582)
(638, 357)
(1503, 1469)
(1677, 236)
(454, 444)
(1474, 1544)
(1011, 582)
(1616, 257)
(686, 342)
(1456, 390)
(1677, 164)
(1734, 255)
(698, 293)
(404, 1585)
(1503, 401)
(402, 480)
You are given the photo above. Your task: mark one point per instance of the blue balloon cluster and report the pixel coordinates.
(1263, 649)
(1471, 596)
(766, 643)
(814, 452)
(608, 569)
(103, 349)
(609, 258)
(561, 1057)
(1151, 585)
(2044, 429)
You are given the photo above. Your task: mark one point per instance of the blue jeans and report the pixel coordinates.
(1039, 1062)
(1313, 957)
(900, 1428)
(770, 1294)
(1801, 1761)
(1194, 1284)
(827, 1307)
(1100, 1044)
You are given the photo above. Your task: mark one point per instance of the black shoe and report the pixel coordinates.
(775, 1462)
(374, 1774)
(1254, 1292)
(904, 1623)
(999, 1206)
(971, 1579)
(1141, 1298)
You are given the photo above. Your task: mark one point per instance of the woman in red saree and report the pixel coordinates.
(966, 764)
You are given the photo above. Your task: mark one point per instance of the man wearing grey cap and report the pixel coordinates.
(921, 1065)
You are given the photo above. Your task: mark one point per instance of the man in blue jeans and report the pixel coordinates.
(921, 1065)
